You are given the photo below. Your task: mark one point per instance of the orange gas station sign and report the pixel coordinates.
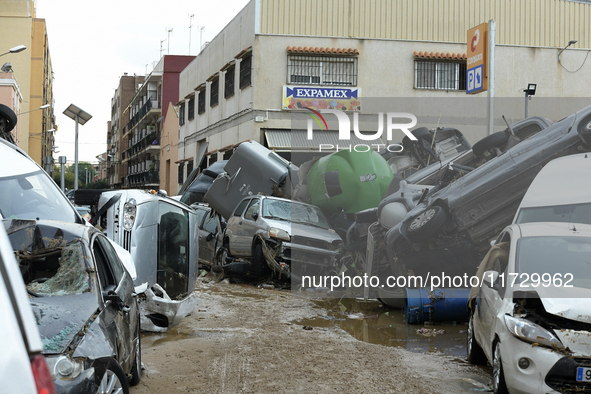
(476, 65)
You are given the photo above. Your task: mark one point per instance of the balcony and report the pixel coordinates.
(145, 109)
(148, 179)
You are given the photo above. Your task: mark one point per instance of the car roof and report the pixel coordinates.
(14, 161)
(559, 229)
(562, 181)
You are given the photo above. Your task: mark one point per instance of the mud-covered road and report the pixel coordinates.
(244, 339)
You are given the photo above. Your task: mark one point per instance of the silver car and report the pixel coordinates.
(291, 237)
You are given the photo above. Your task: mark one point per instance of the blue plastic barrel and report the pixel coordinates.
(439, 305)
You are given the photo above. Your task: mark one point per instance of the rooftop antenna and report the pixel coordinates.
(201, 28)
(169, 31)
(190, 26)
(161, 42)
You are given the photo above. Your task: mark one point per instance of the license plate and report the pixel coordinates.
(583, 374)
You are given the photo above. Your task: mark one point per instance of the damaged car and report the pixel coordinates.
(451, 225)
(288, 237)
(161, 234)
(530, 317)
(84, 303)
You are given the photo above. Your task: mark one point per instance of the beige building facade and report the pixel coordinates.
(32, 68)
(403, 56)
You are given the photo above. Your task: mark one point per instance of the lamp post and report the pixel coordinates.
(36, 109)
(80, 117)
(530, 91)
(62, 161)
(16, 49)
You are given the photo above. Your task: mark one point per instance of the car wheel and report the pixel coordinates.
(220, 259)
(475, 352)
(10, 116)
(492, 141)
(113, 381)
(136, 369)
(426, 224)
(499, 386)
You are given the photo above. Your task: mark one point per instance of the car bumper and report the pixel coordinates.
(541, 361)
(84, 383)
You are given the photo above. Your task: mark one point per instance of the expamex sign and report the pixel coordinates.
(476, 64)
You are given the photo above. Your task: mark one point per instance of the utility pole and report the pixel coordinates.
(190, 26)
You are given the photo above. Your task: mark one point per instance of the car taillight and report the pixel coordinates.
(43, 379)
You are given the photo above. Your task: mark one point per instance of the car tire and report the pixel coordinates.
(475, 353)
(426, 224)
(10, 116)
(221, 257)
(494, 140)
(136, 368)
(114, 380)
(499, 385)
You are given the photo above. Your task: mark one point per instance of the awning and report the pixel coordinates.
(297, 141)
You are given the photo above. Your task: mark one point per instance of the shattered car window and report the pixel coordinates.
(55, 273)
(32, 196)
(294, 212)
(540, 258)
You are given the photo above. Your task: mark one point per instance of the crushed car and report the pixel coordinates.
(286, 237)
(84, 304)
(195, 190)
(530, 317)
(449, 226)
(161, 235)
(211, 230)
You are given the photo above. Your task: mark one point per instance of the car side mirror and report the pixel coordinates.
(255, 216)
(209, 237)
(115, 300)
(490, 278)
(493, 243)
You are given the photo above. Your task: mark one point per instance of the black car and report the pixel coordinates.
(84, 304)
(200, 185)
(452, 224)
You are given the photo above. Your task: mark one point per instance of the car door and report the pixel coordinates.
(490, 301)
(208, 232)
(248, 227)
(119, 317)
(234, 227)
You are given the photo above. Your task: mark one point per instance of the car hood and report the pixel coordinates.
(60, 318)
(304, 230)
(572, 303)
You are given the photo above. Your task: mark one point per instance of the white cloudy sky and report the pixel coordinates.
(92, 43)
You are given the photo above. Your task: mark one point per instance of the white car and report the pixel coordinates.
(531, 316)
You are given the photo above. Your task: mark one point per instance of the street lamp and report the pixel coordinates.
(36, 109)
(571, 42)
(80, 117)
(16, 49)
(530, 91)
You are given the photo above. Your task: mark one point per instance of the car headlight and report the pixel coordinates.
(279, 234)
(129, 211)
(64, 367)
(531, 332)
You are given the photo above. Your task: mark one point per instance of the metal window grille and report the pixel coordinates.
(180, 172)
(245, 71)
(229, 83)
(201, 102)
(189, 167)
(191, 108)
(214, 92)
(182, 114)
(322, 70)
(440, 75)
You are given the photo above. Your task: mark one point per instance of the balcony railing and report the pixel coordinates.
(140, 114)
(143, 178)
(152, 139)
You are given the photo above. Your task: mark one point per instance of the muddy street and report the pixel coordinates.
(245, 339)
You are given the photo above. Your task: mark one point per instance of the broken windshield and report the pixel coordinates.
(55, 272)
